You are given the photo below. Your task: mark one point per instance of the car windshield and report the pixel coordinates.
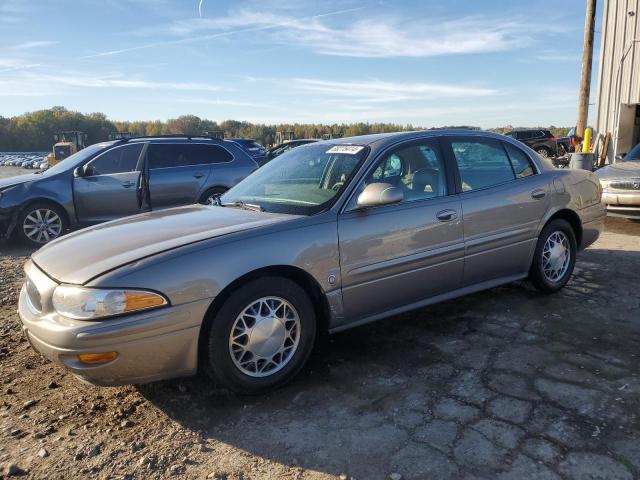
(75, 159)
(302, 181)
(634, 154)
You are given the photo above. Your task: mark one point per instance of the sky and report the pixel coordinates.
(486, 63)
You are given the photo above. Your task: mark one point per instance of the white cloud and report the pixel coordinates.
(376, 90)
(373, 36)
(33, 44)
(75, 80)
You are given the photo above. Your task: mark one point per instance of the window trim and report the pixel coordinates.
(347, 206)
(533, 166)
(151, 144)
(101, 154)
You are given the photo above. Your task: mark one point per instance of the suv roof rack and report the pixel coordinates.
(188, 137)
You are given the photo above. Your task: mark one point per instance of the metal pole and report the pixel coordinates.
(585, 73)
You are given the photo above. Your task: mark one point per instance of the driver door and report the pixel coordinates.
(108, 187)
(396, 255)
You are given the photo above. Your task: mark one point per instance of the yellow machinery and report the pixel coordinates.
(67, 143)
(284, 137)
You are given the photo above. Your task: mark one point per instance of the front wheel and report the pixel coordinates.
(543, 152)
(554, 258)
(262, 336)
(40, 223)
(209, 197)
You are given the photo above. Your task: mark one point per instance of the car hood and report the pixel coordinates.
(11, 181)
(81, 256)
(620, 170)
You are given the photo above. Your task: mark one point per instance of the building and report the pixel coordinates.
(618, 91)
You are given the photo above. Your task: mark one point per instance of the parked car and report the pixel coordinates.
(285, 147)
(621, 185)
(540, 140)
(253, 148)
(325, 237)
(119, 178)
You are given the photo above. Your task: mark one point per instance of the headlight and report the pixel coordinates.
(92, 303)
(604, 184)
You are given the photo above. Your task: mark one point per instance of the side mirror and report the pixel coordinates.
(78, 172)
(378, 194)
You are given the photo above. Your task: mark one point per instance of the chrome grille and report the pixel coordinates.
(33, 295)
(630, 184)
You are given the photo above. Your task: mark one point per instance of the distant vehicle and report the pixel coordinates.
(119, 178)
(328, 236)
(253, 148)
(285, 147)
(67, 143)
(541, 141)
(621, 185)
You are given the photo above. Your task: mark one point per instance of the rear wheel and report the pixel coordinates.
(262, 336)
(209, 197)
(555, 257)
(40, 223)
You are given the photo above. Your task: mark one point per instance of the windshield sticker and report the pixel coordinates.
(348, 149)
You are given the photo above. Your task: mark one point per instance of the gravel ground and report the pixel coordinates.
(506, 383)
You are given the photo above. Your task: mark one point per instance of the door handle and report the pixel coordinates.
(538, 194)
(128, 184)
(447, 215)
(198, 175)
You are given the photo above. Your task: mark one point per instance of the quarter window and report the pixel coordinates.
(418, 170)
(482, 164)
(117, 160)
(522, 166)
(183, 155)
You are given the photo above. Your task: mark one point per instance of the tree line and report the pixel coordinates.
(34, 131)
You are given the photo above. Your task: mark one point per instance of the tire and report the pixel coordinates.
(231, 361)
(546, 274)
(41, 222)
(544, 152)
(207, 197)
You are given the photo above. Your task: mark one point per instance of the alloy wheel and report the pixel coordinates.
(556, 256)
(542, 152)
(264, 337)
(42, 225)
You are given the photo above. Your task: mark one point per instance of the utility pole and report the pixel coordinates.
(585, 74)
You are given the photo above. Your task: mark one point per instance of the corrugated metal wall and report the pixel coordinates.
(619, 66)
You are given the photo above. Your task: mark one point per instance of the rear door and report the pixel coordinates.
(177, 173)
(108, 188)
(503, 202)
(396, 255)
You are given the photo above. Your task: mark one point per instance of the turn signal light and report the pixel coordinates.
(97, 358)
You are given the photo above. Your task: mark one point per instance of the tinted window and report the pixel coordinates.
(521, 164)
(418, 170)
(182, 155)
(482, 163)
(117, 160)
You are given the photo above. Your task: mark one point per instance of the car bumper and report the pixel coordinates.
(151, 346)
(626, 204)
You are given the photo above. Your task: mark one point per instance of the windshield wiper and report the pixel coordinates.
(244, 206)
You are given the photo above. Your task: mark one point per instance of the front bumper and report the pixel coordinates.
(622, 204)
(153, 345)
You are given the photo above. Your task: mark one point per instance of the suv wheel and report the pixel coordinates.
(40, 223)
(544, 152)
(262, 336)
(554, 258)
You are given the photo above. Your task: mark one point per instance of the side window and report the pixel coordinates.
(482, 163)
(521, 164)
(200, 154)
(166, 155)
(117, 160)
(418, 170)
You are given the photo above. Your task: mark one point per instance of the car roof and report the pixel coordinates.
(382, 139)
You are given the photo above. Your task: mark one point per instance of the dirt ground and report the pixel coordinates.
(506, 383)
